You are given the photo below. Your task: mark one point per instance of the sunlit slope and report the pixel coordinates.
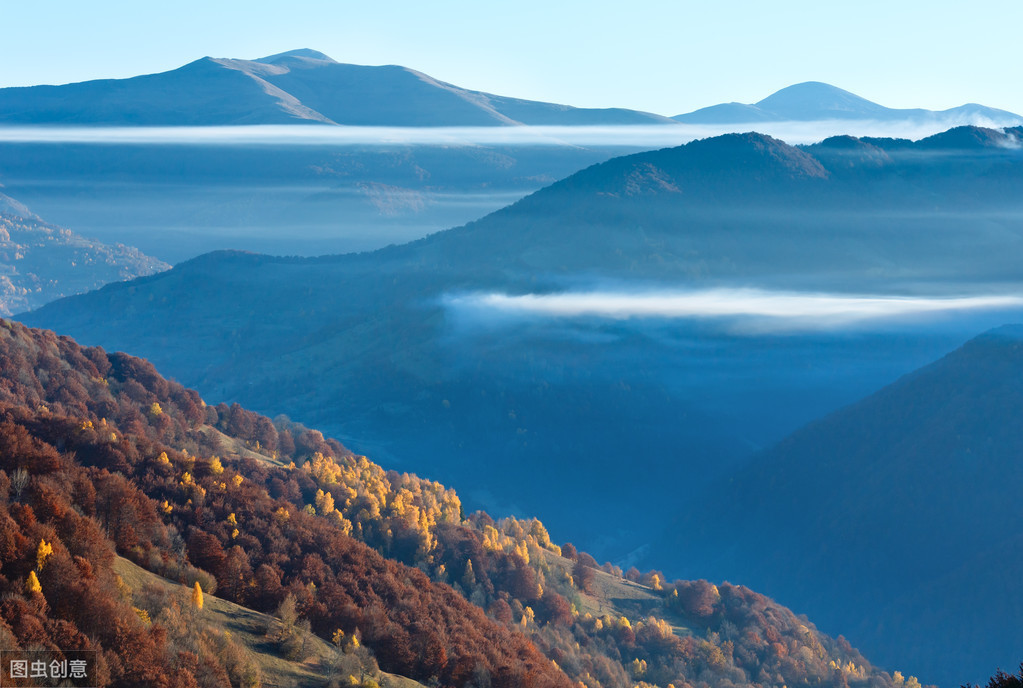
(283, 522)
(897, 516)
(253, 630)
(136, 474)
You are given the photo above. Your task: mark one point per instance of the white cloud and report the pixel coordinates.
(751, 309)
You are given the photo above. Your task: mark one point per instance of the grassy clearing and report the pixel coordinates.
(620, 597)
(249, 628)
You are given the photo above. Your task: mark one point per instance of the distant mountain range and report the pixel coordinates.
(296, 87)
(307, 87)
(728, 207)
(816, 101)
(175, 202)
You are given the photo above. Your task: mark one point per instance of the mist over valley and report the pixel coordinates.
(764, 345)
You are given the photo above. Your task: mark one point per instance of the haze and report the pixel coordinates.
(641, 136)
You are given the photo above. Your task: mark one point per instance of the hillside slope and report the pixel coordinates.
(174, 514)
(904, 503)
(440, 384)
(254, 632)
(40, 262)
(322, 540)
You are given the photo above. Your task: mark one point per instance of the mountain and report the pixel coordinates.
(894, 517)
(117, 528)
(40, 262)
(386, 350)
(732, 207)
(178, 201)
(308, 87)
(175, 202)
(816, 101)
(296, 87)
(399, 353)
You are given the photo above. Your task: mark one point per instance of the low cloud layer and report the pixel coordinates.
(752, 309)
(646, 136)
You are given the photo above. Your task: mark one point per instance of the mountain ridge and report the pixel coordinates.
(924, 468)
(306, 86)
(818, 101)
(295, 87)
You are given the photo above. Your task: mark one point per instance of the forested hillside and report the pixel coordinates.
(40, 262)
(99, 455)
(375, 348)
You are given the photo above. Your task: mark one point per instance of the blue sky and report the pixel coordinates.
(665, 57)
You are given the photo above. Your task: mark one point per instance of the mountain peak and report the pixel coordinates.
(292, 87)
(806, 101)
(810, 89)
(822, 101)
(969, 138)
(300, 54)
(754, 151)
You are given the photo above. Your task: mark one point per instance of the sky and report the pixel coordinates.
(660, 56)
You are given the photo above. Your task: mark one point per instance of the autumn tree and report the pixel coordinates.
(32, 583)
(44, 550)
(583, 575)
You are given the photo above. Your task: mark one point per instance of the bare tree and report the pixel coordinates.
(19, 481)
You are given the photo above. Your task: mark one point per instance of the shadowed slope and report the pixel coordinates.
(904, 503)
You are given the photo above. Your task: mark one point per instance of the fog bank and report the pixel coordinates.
(652, 136)
(746, 309)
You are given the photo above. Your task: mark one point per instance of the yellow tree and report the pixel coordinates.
(197, 596)
(44, 550)
(324, 502)
(32, 584)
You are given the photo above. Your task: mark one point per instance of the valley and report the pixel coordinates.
(401, 337)
(379, 350)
